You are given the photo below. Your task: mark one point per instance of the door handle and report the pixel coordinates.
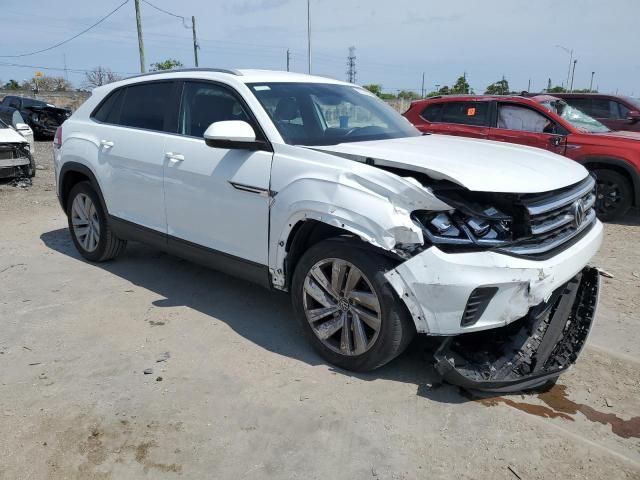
(174, 157)
(106, 143)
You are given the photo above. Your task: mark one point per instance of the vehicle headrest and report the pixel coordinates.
(287, 109)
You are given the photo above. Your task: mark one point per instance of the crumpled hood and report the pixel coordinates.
(479, 165)
(9, 135)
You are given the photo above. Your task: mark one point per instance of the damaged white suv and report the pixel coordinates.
(316, 187)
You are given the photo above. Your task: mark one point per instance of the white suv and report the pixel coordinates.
(315, 187)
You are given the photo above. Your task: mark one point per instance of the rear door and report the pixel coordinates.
(460, 118)
(524, 125)
(131, 127)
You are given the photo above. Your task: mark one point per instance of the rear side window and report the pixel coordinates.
(109, 110)
(603, 108)
(465, 113)
(432, 112)
(144, 106)
(623, 111)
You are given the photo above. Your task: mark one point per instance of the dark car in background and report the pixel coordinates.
(42, 117)
(617, 112)
(544, 122)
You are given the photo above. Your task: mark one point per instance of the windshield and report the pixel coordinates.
(575, 117)
(328, 114)
(633, 101)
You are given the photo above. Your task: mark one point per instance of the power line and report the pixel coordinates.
(59, 69)
(72, 38)
(184, 20)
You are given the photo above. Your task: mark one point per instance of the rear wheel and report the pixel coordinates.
(89, 225)
(614, 195)
(348, 310)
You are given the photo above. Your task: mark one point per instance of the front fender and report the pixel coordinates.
(371, 203)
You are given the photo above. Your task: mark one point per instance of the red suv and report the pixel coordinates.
(614, 111)
(544, 122)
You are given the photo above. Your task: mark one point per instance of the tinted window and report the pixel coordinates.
(432, 112)
(14, 102)
(623, 111)
(602, 108)
(109, 111)
(515, 117)
(205, 103)
(465, 113)
(26, 102)
(583, 104)
(144, 106)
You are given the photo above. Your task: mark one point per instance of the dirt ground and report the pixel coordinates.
(235, 392)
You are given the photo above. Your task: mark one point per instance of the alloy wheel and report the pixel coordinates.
(341, 307)
(608, 197)
(85, 221)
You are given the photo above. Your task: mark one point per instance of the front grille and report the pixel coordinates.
(9, 152)
(553, 219)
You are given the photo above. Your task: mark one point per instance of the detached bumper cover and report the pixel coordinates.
(530, 351)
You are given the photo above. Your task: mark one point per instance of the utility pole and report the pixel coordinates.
(529, 86)
(570, 52)
(422, 95)
(549, 85)
(143, 69)
(351, 65)
(66, 72)
(195, 39)
(309, 33)
(591, 83)
(288, 58)
(573, 75)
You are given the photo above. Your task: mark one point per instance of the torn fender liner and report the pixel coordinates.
(530, 351)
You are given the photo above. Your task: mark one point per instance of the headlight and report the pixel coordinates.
(486, 227)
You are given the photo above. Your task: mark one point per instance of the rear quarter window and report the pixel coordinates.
(109, 110)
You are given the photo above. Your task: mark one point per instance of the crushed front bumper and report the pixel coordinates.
(529, 352)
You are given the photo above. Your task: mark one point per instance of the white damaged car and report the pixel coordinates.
(315, 187)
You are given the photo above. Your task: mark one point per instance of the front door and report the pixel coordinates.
(525, 126)
(216, 198)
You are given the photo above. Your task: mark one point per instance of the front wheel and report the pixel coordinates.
(348, 310)
(89, 225)
(614, 195)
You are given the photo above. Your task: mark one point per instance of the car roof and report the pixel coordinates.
(240, 75)
(473, 98)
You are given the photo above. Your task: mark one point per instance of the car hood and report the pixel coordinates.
(620, 135)
(9, 135)
(479, 165)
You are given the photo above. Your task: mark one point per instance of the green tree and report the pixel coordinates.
(408, 95)
(556, 89)
(168, 64)
(501, 87)
(12, 85)
(376, 89)
(441, 91)
(461, 86)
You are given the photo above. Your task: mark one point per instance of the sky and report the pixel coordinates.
(395, 41)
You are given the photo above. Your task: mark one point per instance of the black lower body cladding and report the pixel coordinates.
(530, 351)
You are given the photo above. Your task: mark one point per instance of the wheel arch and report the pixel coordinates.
(618, 165)
(73, 173)
(309, 232)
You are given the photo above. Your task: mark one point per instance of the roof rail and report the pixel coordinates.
(179, 70)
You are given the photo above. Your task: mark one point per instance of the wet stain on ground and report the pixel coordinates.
(558, 405)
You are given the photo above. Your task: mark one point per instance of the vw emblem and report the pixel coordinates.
(578, 213)
(343, 303)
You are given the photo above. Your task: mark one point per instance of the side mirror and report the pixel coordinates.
(633, 116)
(232, 134)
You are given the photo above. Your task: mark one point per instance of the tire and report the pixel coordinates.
(357, 309)
(104, 244)
(614, 195)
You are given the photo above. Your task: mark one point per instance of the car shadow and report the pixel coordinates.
(261, 316)
(632, 219)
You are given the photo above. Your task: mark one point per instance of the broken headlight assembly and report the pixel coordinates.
(483, 227)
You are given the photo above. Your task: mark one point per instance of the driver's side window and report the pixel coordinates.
(204, 103)
(516, 117)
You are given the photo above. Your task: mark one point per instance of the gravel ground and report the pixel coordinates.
(236, 393)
